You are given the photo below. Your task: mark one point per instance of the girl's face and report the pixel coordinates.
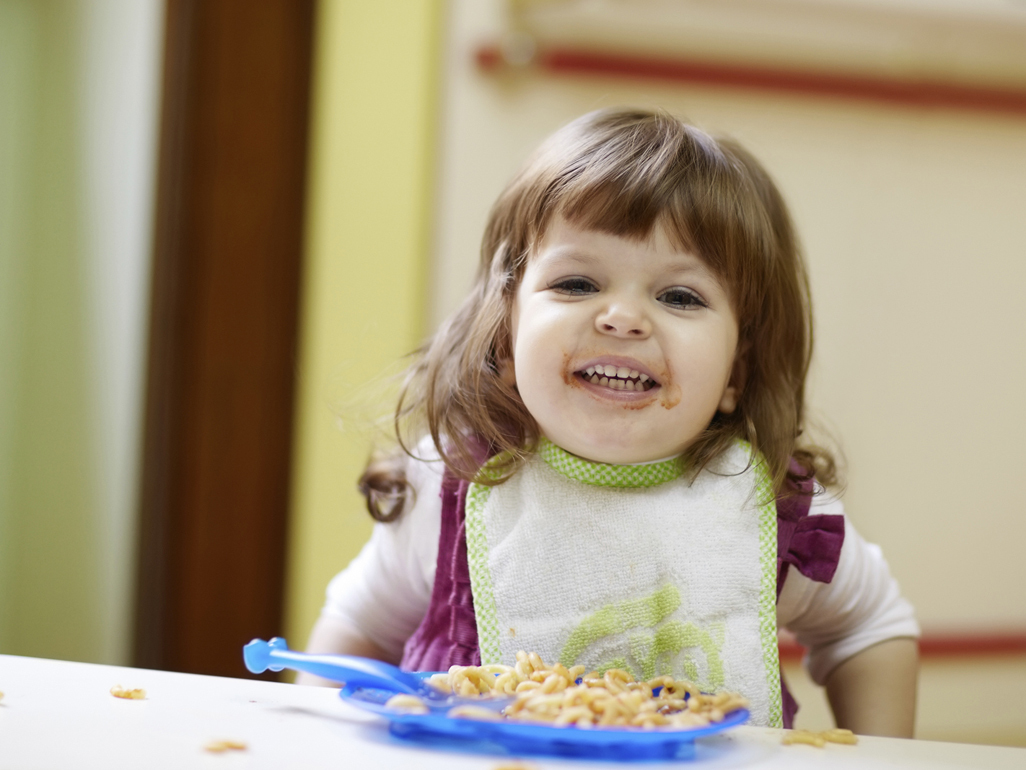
(623, 350)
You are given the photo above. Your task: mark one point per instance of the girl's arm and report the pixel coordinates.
(336, 637)
(860, 633)
(374, 605)
(874, 691)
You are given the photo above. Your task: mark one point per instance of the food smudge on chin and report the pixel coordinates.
(670, 395)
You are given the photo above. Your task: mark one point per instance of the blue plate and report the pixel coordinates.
(624, 744)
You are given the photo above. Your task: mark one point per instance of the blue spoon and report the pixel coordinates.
(356, 672)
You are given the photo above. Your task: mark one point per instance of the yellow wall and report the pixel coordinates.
(374, 107)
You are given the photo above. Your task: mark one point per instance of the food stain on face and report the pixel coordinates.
(670, 395)
(568, 372)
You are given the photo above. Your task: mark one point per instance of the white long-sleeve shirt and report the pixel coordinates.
(386, 589)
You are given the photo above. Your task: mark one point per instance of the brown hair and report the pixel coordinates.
(621, 172)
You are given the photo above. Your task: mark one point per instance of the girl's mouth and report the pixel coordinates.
(617, 378)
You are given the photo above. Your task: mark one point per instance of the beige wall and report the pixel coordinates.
(966, 700)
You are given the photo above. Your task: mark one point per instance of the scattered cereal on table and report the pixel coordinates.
(821, 738)
(840, 735)
(804, 737)
(120, 692)
(217, 747)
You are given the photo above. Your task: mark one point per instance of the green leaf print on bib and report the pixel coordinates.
(665, 642)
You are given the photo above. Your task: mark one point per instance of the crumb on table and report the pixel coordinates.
(821, 738)
(217, 747)
(120, 692)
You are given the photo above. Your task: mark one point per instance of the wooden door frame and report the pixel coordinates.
(223, 331)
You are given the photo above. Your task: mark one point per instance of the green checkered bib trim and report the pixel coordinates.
(603, 475)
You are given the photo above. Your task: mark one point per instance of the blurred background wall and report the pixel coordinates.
(907, 197)
(78, 105)
(911, 221)
(901, 148)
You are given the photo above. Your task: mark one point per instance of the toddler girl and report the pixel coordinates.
(609, 468)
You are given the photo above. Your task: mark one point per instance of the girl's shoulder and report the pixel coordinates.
(826, 501)
(423, 463)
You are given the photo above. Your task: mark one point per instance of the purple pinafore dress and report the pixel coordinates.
(447, 635)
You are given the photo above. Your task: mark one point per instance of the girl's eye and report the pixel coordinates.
(574, 287)
(681, 298)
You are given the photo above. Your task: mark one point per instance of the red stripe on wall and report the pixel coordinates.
(945, 646)
(906, 92)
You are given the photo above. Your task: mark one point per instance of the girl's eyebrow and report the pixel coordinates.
(567, 254)
(691, 264)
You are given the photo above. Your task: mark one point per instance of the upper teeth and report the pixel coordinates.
(613, 371)
(617, 377)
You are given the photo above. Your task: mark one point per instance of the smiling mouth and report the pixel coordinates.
(617, 378)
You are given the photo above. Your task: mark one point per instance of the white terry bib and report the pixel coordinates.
(634, 567)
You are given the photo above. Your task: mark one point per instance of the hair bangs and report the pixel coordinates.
(660, 172)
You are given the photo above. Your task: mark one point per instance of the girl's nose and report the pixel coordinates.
(623, 320)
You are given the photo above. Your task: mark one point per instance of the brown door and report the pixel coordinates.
(222, 356)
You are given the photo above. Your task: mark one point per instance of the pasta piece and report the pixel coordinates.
(840, 735)
(805, 737)
(120, 692)
(820, 739)
(217, 747)
(478, 713)
(411, 704)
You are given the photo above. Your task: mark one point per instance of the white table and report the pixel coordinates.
(57, 714)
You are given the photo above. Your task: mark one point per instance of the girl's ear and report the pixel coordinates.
(736, 383)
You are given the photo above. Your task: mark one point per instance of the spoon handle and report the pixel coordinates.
(275, 655)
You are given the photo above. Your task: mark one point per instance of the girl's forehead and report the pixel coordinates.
(660, 239)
